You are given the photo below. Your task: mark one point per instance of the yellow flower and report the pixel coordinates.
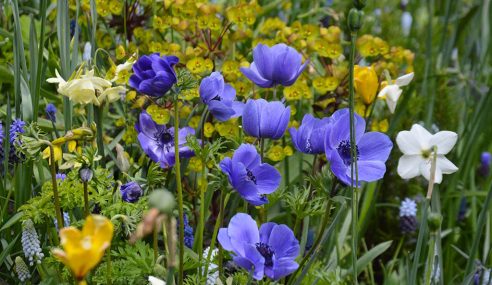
(195, 164)
(326, 49)
(325, 84)
(288, 151)
(208, 130)
(381, 126)
(120, 52)
(194, 122)
(58, 154)
(131, 95)
(230, 70)
(366, 83)
(160, 115)
(276, 153)
(199, 65)
(297, 91)
(82, 250)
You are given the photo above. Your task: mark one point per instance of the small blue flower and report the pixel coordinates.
(220, 97)
(51, 112)
(131, 192)
(30, 243)
(309, 138)
(485, 159)
(188, 233)
(61, 176)
(269, 251)
(154, 75)
(16, 128)
(251, 178)
(262, 119)
(276, 65)
(66, 221)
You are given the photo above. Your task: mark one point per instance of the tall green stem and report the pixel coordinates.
(353, 154)
(58, 214)
(86, 200)
(99, 135)
(179, 190)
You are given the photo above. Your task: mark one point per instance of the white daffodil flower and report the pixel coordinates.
(156, 281)
(392, 92)
(417, 146)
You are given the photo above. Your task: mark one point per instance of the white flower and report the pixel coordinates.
(406, 23)
(123, 68)
(417, 145)
(156, 281)
(86, 56)
(392, 92)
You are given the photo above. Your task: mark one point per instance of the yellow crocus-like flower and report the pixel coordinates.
(82, 250)
(366, 83)
(58, 154)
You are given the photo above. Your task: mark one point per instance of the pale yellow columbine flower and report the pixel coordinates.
(57, 151)
(366, 83)
(82, 250)
(87, 89)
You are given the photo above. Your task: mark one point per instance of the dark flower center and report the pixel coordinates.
(251, 176)
(164, 138)
(266, 251)
(217, 98)
(344, 152)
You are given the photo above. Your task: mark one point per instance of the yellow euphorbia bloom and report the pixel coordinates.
(82, 250)
(366, 83)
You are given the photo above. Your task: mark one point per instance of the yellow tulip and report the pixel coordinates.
(366, 83)
(82, 250)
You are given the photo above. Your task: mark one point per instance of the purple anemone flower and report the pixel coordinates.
(269, 251)
(131, 192)
(372, 148)
(220, 97)
(154, 75)
(249, 176)
(310, 137)
(157, 141)
(262, 119)
(271, 66)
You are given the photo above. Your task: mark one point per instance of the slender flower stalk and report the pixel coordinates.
(179, 190)
(99, 134)
(54, 183)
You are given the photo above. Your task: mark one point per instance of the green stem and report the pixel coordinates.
(201, 225)
(353, 153)
(86, 200)
(98, 114)
(179, 189)
(108, 268)
(58, 213)
(430, 261)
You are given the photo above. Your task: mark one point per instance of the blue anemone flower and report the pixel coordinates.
(269, 251)
(251, 178)
(262, 119)
(276, 65)
(310, 136)
(372, 149)
(220, 97)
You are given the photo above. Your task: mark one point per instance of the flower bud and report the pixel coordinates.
(434, 220)
(162, 200)
(85, 174)
(355, 19)
(360, 4)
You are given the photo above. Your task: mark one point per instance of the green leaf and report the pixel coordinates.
(6, 250)
(14, 219)
(6, 75)
(369, 256)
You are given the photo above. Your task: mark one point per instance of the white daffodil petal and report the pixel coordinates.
(444, 140)
(422, 135)
(391, 104)
(408, 143)
(404, 80)
(445, 165)
(156, 281)
(383, 92)
(425, 169)
(409, 166)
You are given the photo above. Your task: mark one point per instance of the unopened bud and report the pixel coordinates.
(434, 220)
(162, 200)
(360, 4)
(355, 19)
(85, 174)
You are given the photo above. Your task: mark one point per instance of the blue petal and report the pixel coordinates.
(251, 118)
(252, 74)
(287, 62)
(267, 178)
(242, 231)
(281, 268)
(211, 87)
(374, 146)
(224, 239)
(247, 155)
(220, 111)
(265, 231)
(369, 170)
(264, 61)
(283, 242)
(340, 130)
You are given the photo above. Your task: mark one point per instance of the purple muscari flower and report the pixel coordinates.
(269, 251)
(17, 127)
(485, 160)
(262, 119)
(131, 192)
(154, 75)
(61, 176)
(249, 176)
(220, 97)
(2, 137)
(372, 149)
(309, 138)
(51, 112)
(271, 66)
(157, 141)
(188, 232)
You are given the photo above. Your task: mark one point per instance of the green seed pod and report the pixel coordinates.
(434, 220)
(163, 200)
(360, 4)
(355, 19)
